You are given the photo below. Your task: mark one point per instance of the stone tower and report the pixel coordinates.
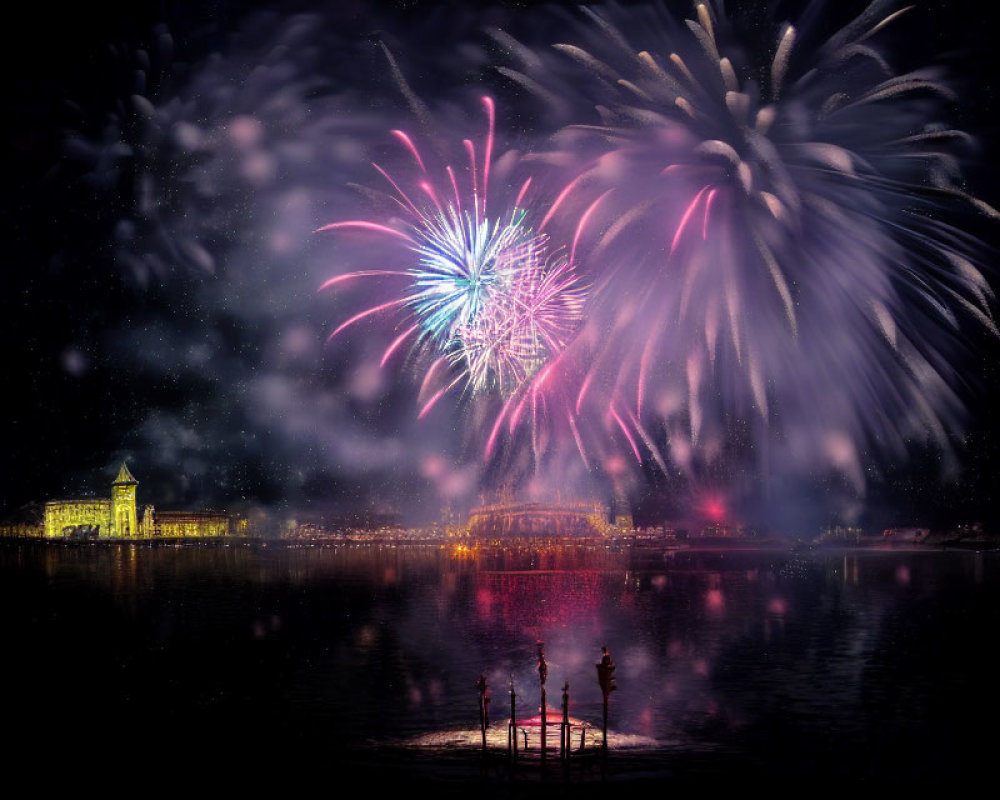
(124, 521)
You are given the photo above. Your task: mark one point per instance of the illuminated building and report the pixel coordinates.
(118, 517)
(506, 520)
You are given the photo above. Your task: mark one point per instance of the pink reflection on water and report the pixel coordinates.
(416, 696)
(777, 606)
(484, 602)
(367, 636)
(645, 722)
(715, 601)
(538, 600)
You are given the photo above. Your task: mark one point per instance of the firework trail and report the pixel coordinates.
(782, 268)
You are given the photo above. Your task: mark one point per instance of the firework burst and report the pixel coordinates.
(782, 248)
(481, 301)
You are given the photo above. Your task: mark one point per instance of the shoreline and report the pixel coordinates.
(625, 543)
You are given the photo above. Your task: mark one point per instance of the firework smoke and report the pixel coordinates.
(212, 171)
(746, 253)
(783, 275)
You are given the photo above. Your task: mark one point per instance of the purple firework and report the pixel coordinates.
(781, 266)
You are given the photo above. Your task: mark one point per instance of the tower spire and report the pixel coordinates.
(124, 519)
(124, 477)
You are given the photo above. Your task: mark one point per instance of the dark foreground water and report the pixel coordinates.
(130, 667)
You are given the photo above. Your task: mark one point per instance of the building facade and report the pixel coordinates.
(118, 517)
(512, 520)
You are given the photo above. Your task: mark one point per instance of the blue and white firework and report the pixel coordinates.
(488, 298)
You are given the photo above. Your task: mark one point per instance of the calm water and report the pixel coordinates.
(754, 667)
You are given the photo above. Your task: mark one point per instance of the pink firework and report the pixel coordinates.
(482, 298)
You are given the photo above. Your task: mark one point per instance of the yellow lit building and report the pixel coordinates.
(118, 517)
(190, 523)
(514, 519)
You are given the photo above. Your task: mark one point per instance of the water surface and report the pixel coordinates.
(764, 667)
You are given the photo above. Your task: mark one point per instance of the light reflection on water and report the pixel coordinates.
(860, 661)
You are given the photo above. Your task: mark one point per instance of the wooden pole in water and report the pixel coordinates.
(564, 737)
(606, 678)
(512, 725)
(604, 726)
(543, 671)
(483, 701)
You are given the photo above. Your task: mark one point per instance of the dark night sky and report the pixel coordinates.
(162, 309)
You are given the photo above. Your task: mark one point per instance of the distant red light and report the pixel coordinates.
(713, 509)
(715, 600)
